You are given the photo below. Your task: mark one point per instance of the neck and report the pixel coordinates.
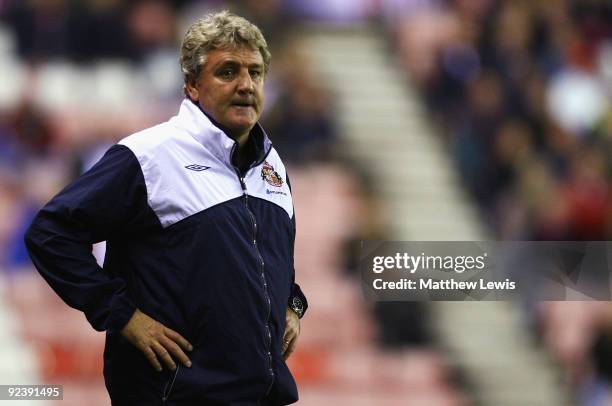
(241, 139)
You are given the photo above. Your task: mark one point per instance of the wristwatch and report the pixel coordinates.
(297, 306)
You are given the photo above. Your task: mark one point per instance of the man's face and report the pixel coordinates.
(230, 89)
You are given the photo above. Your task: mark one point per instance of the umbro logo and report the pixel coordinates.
(197, 168)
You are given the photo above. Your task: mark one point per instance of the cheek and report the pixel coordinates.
(218, 97)
(260, 97)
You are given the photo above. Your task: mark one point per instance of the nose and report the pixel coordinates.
(245, 82)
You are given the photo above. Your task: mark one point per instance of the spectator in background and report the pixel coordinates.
(198, 218)
(515, 87)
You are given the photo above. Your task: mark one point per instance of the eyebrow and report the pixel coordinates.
(233, 62)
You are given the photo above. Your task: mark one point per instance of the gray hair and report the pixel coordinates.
(222, 30)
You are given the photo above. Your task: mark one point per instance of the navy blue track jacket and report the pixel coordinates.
(193, 243)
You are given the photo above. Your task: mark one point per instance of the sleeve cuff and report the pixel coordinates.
(297, 301)
(123, 310)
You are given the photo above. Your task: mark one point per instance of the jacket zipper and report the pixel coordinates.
(264, 282)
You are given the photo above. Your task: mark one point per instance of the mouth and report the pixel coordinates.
(243, 104)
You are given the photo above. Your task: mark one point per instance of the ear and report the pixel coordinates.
(192, 91)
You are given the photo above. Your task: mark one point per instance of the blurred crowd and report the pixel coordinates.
(522, 92)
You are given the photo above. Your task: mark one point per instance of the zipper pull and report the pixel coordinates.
(244, 189)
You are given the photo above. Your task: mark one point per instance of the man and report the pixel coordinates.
(197, 294)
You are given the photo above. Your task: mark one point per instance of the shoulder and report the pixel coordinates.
(158, 143)
(150, 139)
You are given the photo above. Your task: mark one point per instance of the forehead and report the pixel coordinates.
(241, 55)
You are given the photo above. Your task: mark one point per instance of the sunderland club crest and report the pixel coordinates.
(270, 175)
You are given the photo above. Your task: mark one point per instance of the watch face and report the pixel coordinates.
(297, 306)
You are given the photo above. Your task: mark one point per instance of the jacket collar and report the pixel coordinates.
(208, 133)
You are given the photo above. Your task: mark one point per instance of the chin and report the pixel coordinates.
(242, 125)
(240, 128)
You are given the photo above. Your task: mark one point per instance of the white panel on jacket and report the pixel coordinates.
(182, 177)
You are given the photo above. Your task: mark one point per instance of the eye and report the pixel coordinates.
(255, 73)
(226, 73)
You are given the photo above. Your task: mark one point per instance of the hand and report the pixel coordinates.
(292, 331)
(156, 341)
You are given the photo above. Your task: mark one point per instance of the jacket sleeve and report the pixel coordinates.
(296, 291)
(108, 199)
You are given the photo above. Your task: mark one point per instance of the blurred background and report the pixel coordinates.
(399, 120)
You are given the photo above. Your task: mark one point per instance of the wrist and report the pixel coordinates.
(297, 306)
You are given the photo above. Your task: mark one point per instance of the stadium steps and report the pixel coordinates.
(386, 131)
